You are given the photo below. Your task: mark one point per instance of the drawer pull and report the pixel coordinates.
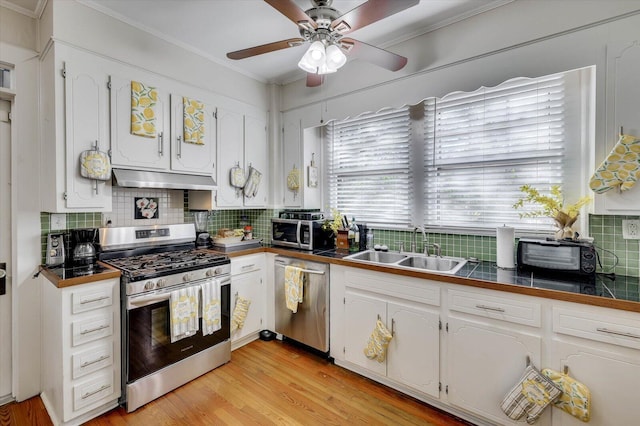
(489, 308)
(84, 302)
(245, 267)
(88, 394)
(92, 330)
(618, 333)
(87, 363)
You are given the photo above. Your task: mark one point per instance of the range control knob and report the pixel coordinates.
(186, 277)
(210, 273)
(149, 285)
(161, 283)
(217, 271)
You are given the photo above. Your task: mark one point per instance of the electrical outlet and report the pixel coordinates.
(631, 229)
(58, 221)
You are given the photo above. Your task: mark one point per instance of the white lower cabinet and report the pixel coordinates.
(81, 350)
(412, 358)
(247, 281)
(601, 349)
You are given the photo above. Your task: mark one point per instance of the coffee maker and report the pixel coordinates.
(82, 248)
(200, 219)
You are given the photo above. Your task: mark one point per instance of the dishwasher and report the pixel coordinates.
(310, 324)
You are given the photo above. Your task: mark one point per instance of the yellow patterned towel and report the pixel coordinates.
(143, 110)
(240, 313)
(183, 311)
(193, 118)
(293, 179)
(575, 398)
(293, 286)
(211, 312)
(620, 169)
(378, 342)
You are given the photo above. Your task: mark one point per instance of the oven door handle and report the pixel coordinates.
(139, 302)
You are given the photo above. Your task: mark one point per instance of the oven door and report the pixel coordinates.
(148, 344)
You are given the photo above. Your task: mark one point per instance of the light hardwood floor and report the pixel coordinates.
(266, 383)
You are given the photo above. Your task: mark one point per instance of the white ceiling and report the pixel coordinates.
(212, 28)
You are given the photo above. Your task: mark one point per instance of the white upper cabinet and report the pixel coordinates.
(190, 157)
(242, 143)
(133, 151)
(622, 111)
(74, 113)
(292, 159)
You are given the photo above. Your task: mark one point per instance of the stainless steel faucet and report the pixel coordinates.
(414, 242)
(436, 248)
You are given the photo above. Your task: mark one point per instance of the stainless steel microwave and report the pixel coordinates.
(300, 234)
(558, 258)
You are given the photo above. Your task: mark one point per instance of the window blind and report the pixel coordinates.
(369, 173)
(482, 146)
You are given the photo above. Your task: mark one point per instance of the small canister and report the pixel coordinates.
(248, 232)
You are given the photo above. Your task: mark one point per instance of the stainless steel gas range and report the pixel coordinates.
(161, 265)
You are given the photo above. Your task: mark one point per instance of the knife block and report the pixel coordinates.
(342, 240)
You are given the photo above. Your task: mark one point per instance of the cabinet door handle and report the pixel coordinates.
(490, 308)
(95, 361)
(160, 143)
(93, 330)
(84, 302)
(618, 333)
(179, 154)
(393, 327)
(88, 394)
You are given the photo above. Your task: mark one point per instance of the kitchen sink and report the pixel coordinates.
(439, 264)
(377, 256)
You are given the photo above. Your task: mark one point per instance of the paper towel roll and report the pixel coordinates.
(505, 243)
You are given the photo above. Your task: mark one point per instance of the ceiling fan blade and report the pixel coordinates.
(291, 10)
(375, 55)
(314, 80)
(368, 13)
(265, 48)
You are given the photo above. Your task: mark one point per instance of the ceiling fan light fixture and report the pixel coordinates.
(335, 57)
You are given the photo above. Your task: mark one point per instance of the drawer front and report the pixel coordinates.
(247, 264)
(90, 360)
(93, 390)
(496, 307)
(83, 300)
(408, 288)
(92, 328)
(598, 327)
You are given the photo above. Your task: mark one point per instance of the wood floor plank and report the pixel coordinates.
(266, 383)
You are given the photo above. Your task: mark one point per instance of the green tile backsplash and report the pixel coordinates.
(606, 231)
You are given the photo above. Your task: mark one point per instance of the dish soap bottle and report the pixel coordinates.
(369, 242)
(355, 240)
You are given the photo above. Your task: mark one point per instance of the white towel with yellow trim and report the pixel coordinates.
(621, 168)
(183, 311)
(293, 286)
(143, 110)
(378, 342)
(240, 312)
(211, 312)
(193, 120)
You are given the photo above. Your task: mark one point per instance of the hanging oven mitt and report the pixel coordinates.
(95, 164)
(293, 179)
(378, 342)
(239, 313)
(237, 179)
(530, 396)
(253, 183)
(620, 169)
(575, 398)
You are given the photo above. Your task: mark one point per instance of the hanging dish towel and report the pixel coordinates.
(193, 120)
(183, 310)
(620, 169)
(143, 110)
(240, 312)
(253, 183)
(575, 398)
(530, 396)
(211, 320)
(237, 179)
(378, 342)
(293, 179)
(293, 286)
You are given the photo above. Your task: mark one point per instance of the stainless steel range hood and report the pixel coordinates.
(146, 179)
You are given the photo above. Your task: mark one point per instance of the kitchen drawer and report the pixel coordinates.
(597, 326)
(408, 288)
(496, 307)
(93, 390)
(244, 264)
(83, 300)
(93, 359)
(91, 328)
